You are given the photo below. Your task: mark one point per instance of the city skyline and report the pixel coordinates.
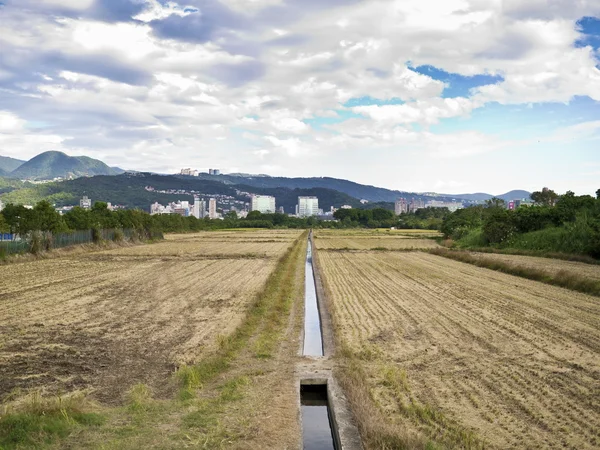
(457, 96)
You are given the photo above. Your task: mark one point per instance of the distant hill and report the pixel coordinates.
(129, 190)
(514, 195)
(480, 197)
(52, 164)
(7, 164)
(350, 188)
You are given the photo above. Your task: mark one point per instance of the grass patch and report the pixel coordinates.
(36, 420)
(568, 280)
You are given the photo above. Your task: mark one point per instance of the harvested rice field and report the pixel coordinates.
(374, 243)
(468, 357)
(104, 321)
(549, 265)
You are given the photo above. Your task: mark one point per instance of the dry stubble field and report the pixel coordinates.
(513, 361)
(376, 240)
(104, 321)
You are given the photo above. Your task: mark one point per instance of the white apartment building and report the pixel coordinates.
(212, 208)
(85, 202)
(452, 206)
(401, 206)
(263, 203)
(199, 208)
(307, 206)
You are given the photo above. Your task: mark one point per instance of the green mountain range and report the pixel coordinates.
(7, 165)
(52, 164)
(101, 182)
(355, 190)
(130, 191)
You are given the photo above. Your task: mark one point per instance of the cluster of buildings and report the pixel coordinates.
(403, 206)
(515, 204)
(194, 173)
(198, 209)
(306, 206)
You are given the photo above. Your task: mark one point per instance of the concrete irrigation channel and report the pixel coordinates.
(326, 419)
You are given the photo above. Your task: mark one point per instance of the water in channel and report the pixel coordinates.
(316, 418)
(313, 341)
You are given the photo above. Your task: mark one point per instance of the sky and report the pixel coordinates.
(450, 96)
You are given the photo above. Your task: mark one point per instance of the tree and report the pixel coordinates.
(45, 218)
(231, 215)
(545, 197)
(254, 215)
(19, 218)
(495, 202)
(79, 219)
(499, 226)
(4, 228)
(598, 194)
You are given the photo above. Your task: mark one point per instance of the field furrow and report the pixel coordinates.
(514, 360)
(107, 320)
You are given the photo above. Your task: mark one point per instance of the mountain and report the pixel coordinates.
(49, 165)
(130, 191)
(350, 188)
(7, 165)
(514, 195)
(480, 197)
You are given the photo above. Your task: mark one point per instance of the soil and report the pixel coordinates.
(549, 265)
(514, 360)
(104, 321)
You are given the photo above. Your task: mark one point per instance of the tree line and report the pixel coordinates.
(555, 223)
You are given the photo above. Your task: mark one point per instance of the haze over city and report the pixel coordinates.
(449, 96)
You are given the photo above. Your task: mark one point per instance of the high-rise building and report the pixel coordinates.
(85, 202)
(212, 208)
(263, 203)
(199, 208)
(307, 206)
(401, 206)
(416, 205)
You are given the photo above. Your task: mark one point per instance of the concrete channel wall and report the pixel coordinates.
(319, 370)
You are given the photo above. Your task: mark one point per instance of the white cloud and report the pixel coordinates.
(424, 112)
(241, 95)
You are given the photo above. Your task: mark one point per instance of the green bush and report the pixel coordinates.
(96, 235)
(118, 236)
(474, 238)
(36, 244)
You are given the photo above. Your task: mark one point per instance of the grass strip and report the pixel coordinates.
(36, 420)
(568, 280)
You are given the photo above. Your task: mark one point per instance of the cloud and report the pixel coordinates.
(264, 83)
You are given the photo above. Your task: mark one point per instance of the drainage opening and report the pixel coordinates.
(318, 429)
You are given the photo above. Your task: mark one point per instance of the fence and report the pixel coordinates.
(61, 240)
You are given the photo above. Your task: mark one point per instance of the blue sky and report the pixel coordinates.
(451, 96)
